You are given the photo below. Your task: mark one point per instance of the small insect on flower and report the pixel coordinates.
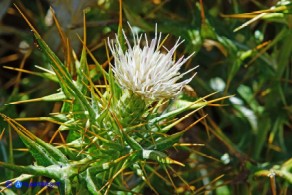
(145, 70)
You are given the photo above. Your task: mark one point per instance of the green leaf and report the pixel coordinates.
(51, 171)
(49, 98)
(159, 157)
(44, 153)
(166, 142)
(263, 130)
(65, 80)
(90, 183)
(82, 72)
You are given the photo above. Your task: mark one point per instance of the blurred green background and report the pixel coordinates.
(244, 48)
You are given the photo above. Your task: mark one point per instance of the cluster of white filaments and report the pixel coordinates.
(145, 70)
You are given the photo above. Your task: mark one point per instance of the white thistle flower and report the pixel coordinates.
(147, 71)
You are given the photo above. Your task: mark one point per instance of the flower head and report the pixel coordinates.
(145, 70)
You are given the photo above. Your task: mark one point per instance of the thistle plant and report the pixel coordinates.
(117, 133)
